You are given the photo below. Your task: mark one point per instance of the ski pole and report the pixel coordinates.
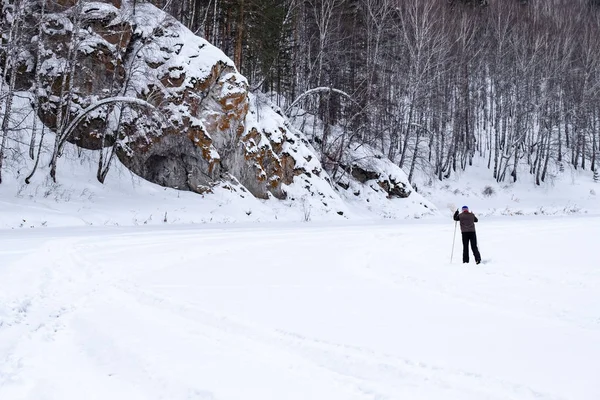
(453, 241)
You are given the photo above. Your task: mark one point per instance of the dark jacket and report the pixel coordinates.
(467, 221)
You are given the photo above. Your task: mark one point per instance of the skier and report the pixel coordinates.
(467, 228)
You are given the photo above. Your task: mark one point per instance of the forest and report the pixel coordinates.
(431, 84)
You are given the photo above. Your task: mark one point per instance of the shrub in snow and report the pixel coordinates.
(488, 191)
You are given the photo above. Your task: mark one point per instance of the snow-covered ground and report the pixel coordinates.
(127, 200)
(567, 192)
(301, 311)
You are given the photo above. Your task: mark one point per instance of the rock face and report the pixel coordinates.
(382, 173)
(370, 168)
(200, 124)
(175, 111)
(362, 173)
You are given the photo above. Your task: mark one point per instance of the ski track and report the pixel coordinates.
(355, 366)
(175, 314)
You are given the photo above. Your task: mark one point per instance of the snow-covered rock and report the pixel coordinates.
(177, 113)
(362, 175)
(205, 126)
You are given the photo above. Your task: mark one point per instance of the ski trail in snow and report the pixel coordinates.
(31, 303)
(540, 307)
(325, 313)
(357, 367)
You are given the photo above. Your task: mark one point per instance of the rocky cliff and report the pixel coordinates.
(193, 122)
(203, 128)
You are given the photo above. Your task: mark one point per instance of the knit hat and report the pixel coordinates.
(465, 208)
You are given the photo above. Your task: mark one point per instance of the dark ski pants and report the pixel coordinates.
(466, 238)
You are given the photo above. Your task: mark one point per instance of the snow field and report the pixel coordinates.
(301, 311)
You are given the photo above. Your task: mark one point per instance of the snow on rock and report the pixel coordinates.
(284, 158)
(178, 114)
(367, 181)
(199, 125)
(371, 181)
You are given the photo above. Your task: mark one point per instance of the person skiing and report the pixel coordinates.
(467, 227)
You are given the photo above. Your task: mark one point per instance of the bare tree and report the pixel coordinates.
(14, 15)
